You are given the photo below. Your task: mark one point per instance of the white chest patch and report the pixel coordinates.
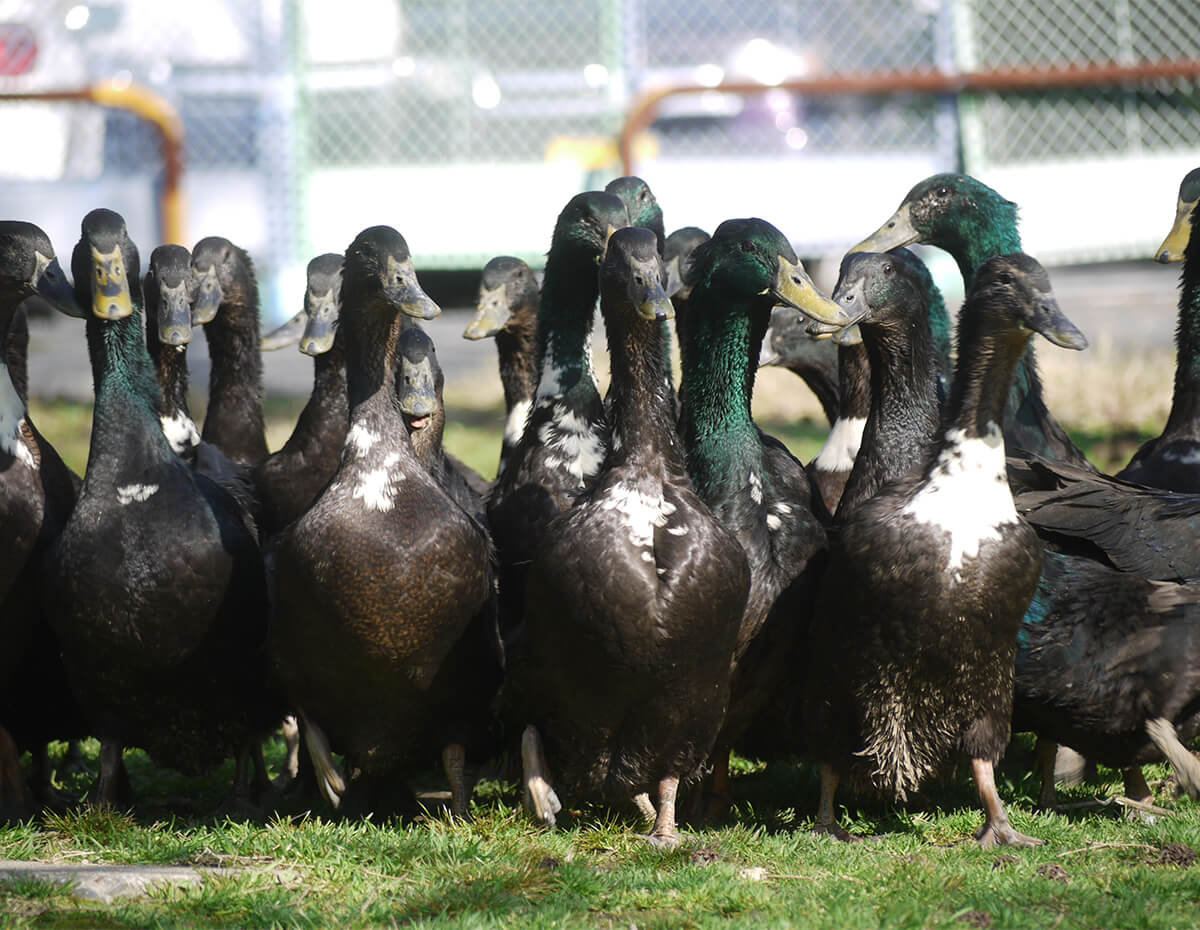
(377, 487)
(573, 444)
(514, 426)
(181, 432)
(550, 380)
(841, 445)
(1190, 457)
(361, 439)
(135, 492)
(966, 494)
(12, 420)
(641, 512)
(755, 483)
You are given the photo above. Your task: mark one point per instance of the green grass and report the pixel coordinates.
(762, 867)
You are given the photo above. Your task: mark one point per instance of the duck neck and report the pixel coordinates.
(326, 416)
(987, 360)
(719, 434)
(234, 420)
(126, 424)
(171, 367)
(997, 235)
(1185, 404)
(565, 314)
(641, 398)
(372, 337)
(904, 413)
(516, 345)
(14, 349)
(854, 382)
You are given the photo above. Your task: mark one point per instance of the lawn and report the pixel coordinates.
(760, 867)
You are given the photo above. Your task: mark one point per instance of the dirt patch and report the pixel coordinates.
(1179, 854)
(980, 919)
(1054, 872)
(703, 856)
(1004, 862)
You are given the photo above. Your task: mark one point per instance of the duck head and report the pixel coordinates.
(641, 205)
(28, 266)
(378, 271)
(322, 304)
(506, 285)
(419, 379)
(677, 253)
(1014, 291)
(632, 277)
(751, 257)
(105, 266)
(169, 276)
(583, 227)
(946, 209)
(1176, 242)
(880, 289)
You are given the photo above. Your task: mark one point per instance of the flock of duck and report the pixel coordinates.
(651, 581)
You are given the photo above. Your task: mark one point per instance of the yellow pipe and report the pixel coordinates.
(154, 109)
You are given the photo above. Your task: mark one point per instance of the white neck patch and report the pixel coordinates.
(181, 432)
(377, 488)
(12, 420)
(360, 438)
(841, 445)
(514, 426)
(966, 494)
(574, 444)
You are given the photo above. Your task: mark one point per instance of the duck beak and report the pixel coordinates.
(51, 285)
(175, 315)
(1051, 322)
(848, 336)
(323, 312)
(402, 289)
(208, 296)
(491, 313)
(792, 286)
(111, 299)
(1177, 239)
(418, 392)
(896, 232)
(287, 334)
(649, 295)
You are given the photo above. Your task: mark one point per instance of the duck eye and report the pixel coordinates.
(887, 269)
(943, 192)
(747, 246)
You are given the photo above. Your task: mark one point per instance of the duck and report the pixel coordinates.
(168, 289)
(816, 361)
(37, 493)
(565, 438)
(755, 488)
(384, 624)
(1108, 663)
(289, 480)
(677, 253)
(963, 216)
(1172, 459)
(226, 303)
(155, 586)
(904, 406)
(649, 610)
(419, 385)
(928, 580)
(506, 308)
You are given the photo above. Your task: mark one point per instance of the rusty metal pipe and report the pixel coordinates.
(645, 108)
(145, 104)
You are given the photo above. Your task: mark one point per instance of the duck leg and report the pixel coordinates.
(1187, 767)
(1047, 751)
(454, 762)
(720, 798)
(540, 799)
(1136, 788)
(645, 807)
(825, 821)
(291, 762)
(665, 835)
(996, 831)
(112, 788)
(16, 802)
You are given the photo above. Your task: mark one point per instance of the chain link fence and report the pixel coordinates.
(467, 124)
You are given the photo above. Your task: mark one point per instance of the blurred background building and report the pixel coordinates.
(467, 124)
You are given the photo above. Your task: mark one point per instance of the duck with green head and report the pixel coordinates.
(1172, 460)
(566, 433)
(636, 594)
(155, 587)
(972, 222)
(753, 485)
